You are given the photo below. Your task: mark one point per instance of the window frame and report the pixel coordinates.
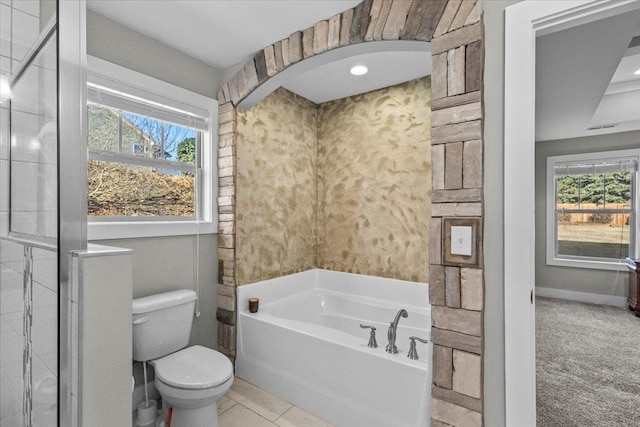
(115, 77)
(551, 221)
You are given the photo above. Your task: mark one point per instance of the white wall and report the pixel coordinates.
(103, 354)
(162, 264)
(494, 377)
(604, 282)
(113, 42)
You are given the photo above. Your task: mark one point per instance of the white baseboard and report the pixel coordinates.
(616, 301)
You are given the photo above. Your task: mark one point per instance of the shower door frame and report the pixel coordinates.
(72, 190)
(69, 26)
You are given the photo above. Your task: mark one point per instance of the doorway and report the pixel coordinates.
(524, 22)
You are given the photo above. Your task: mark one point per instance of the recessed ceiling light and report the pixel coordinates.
(359, 70)
(637, 73)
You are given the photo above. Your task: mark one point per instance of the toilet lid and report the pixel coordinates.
(194, 368)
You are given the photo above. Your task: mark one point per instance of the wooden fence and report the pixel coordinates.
(594, 218)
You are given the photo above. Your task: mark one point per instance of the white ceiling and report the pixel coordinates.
(325, 77)
(585, 79)
(226, 33)
(334, 80)
(581, 82)
(220, 33)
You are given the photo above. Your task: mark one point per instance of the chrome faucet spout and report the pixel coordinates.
(391, 333)
(402, 313)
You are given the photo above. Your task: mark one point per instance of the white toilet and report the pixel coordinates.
(189, 379)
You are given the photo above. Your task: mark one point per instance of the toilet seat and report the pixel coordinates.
(194, 368)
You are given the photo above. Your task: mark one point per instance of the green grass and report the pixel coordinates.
(593, 240)
(593, 249)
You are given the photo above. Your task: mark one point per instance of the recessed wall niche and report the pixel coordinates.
(455, 30)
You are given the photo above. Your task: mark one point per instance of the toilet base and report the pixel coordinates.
(206, 416)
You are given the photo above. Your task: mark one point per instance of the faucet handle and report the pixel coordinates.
(413, 353)
(372, 336)
(422, 340)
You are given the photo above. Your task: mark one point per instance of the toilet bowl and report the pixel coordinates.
(191, 381)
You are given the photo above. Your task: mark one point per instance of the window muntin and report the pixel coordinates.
(592, 209)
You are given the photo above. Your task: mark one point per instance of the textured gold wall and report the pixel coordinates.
(343, 186)
(276, 194)
(374, 185)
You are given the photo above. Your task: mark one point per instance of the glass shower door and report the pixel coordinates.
(29, 246)
(35, 356)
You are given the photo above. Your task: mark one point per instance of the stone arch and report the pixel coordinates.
(455, 30)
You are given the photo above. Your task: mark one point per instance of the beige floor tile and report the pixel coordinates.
(265, 404)
(296, 417)
(225, 403)
(239, 416)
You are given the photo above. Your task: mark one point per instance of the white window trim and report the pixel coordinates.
(550, 225)
(123, 79)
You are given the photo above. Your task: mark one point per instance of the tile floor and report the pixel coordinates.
(246, 405)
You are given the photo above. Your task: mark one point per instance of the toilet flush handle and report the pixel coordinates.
(140, 320)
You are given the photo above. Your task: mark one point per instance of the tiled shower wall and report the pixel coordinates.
(342, 185)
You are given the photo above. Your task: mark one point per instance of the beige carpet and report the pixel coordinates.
(588, 365)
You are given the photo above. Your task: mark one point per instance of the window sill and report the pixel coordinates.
(596, 265)
(134, 229)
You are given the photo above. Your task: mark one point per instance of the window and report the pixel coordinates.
(591, 209)
(150, 170)
(141, 168)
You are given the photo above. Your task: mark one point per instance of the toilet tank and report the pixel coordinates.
(162, 323)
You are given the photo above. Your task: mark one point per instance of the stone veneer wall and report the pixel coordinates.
(374, 166)
(455, 30)
(276, 198)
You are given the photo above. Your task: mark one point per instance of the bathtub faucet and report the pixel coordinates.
(391, 334)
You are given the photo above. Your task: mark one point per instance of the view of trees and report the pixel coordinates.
(602, 234)
(597, 188)
(166, 137)
(119, 189)
(140, 135)
(187, 152)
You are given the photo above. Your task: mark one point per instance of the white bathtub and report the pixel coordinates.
(306, 346)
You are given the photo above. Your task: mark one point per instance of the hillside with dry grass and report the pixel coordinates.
(119, 190)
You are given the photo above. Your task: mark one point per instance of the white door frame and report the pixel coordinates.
(523, 22)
